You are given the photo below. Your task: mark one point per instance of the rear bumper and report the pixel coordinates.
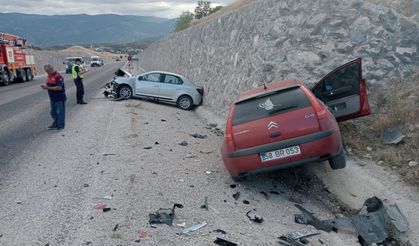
(314, 147)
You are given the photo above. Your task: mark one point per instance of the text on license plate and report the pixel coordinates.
(281, 153)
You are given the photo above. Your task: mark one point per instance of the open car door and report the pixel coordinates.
(344, 91)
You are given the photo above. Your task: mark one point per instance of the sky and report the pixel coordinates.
(165, 9)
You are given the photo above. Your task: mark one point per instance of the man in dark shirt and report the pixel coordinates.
(56, 91)
(77, 73)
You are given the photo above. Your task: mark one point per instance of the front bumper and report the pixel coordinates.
(111, 89)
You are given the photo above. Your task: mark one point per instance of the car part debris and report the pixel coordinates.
(181, 224)
(164, 215)
(274, 192)
(148, 147)
(223, 242)
(107, 197)
(383, 221)
(303, 233)
(86, 185)
(236, 195)
(393, 136)
(106, 210)
(163, 120)
(183, 143)
(190, 156)
(194, 227)
(283, 240)
(205, 205)
(108, 154)
(100, 205)
(196, 135)
(132, 178)
(142, 234)
(233, 186)
(115, 227)
(220, 231)
(246, 202)
(255, 218)
(137, 241)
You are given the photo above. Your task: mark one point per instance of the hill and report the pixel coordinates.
(45, 31)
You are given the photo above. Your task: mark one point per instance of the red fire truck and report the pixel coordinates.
(16, 64)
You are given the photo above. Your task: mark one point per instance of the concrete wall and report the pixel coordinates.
(271, 40)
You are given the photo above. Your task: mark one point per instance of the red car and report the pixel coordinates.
(285, 124)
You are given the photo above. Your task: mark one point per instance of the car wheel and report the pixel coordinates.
(124, 92)
(339, 161)
(185, 102)
(24, 75)
(29, 74)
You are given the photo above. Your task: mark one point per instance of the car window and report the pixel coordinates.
(171, 79)
(270, 104)
(342, 83)
(152, 77)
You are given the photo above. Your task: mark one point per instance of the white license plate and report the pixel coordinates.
(281, 153)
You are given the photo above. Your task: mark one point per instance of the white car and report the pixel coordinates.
(156, 85)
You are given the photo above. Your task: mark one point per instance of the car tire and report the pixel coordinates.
(29, 74)
(125, 92)
(24, 75)
(185, 102)
(338, 161)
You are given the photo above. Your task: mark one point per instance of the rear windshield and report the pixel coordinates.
(270, 104)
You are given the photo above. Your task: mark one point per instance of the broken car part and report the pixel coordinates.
(196, 135)
(393, 136)
(194, 227)
(223, 242)
(205, 205)
(255, 218)
(164, 215)
(236, 195)
(303, 233)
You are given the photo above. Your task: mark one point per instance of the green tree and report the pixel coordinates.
(203, 9)
(215, 9)
(183, 21)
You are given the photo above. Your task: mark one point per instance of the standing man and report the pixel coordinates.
(77, 72)
(56, 91)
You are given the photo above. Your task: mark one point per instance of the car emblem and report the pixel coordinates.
(272, 124)
(267, 105)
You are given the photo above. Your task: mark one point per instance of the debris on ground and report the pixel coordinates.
(137, 241)
(181, 224)
(236, 195)
(393, 136)
(142, 234)
(265, 195)
(195, 227)
(246, 202)
(132, 178)
(274, 192)
(255, 218)
(223, 242)
(106, 210)
(196, 135)
(295, 199)
(163, 120)
(107, 197)
(283, 240)
(115, 227)
(183, 143)
(205, 205)
(148, 147)
(381, 223)
(190, 156)
(220, 231)
(156, 143)
(303, 233)
(164, 215)
(232, 186)
(100, 205)
(108, 154)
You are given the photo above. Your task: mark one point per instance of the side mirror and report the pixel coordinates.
(140, 77)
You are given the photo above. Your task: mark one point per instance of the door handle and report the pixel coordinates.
(275, 134)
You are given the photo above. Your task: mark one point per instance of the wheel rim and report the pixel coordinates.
(125, 92)
(185, 102)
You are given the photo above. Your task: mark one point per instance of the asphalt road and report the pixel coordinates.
(24, 108)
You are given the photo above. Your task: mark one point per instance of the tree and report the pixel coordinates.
(183, 21)
(215, 9)
(203, 9)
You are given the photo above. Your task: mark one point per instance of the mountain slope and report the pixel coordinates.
(44, 31)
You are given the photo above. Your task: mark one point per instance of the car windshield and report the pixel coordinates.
(95, 59)
(269, 104)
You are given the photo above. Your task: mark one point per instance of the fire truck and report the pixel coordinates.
(16, 64)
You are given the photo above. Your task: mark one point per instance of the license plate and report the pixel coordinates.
(281, 153)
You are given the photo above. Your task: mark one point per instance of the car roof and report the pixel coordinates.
(270, 87)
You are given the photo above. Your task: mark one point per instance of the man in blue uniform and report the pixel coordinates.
(56, 91)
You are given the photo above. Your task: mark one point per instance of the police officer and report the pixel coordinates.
(77, 72)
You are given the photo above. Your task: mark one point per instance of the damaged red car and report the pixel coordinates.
(285, 124)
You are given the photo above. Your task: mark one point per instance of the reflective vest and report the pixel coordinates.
(74, 73)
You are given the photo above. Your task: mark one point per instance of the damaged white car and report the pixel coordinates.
(156, 85)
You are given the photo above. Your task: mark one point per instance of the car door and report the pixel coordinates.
(171, 87)
(344, 91)
(148, 85)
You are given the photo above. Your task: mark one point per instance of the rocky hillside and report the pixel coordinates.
(270, 40)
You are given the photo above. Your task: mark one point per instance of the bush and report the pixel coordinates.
(183, 21)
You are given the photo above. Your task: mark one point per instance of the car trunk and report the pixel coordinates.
(272, 117)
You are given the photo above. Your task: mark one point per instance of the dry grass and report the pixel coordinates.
(395, 107)
(224, 10)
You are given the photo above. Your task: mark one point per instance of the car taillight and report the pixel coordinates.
(320, 109)
(228, 134)
(200, 91)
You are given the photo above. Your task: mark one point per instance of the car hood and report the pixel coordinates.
(122, 73)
